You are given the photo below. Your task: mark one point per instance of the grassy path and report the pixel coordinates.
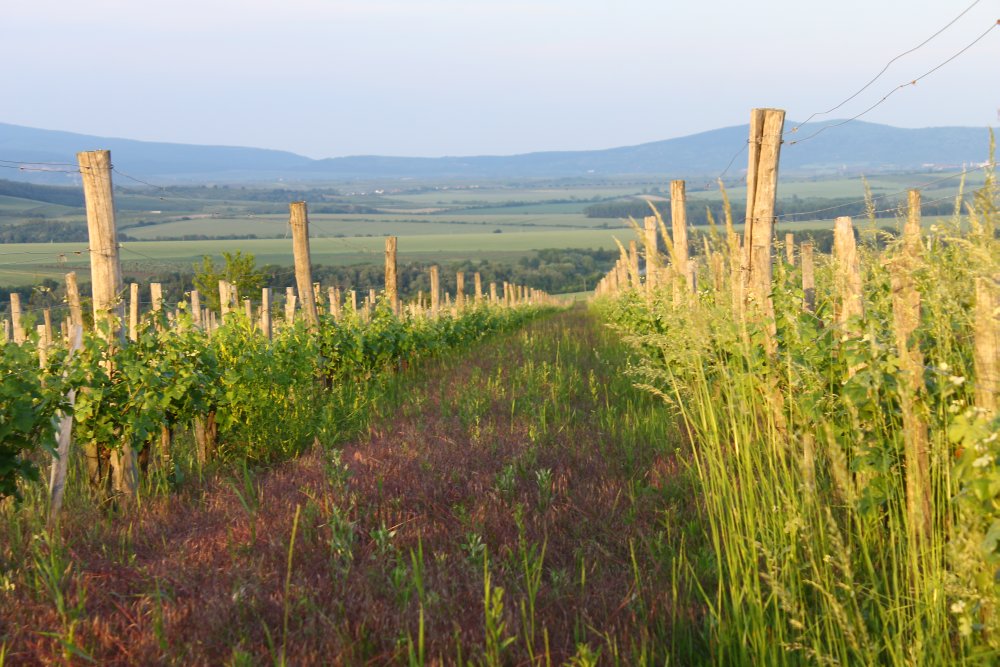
(529, 465)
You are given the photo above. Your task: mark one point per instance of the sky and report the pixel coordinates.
(327, 78)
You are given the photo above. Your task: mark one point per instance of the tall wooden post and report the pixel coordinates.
(808, 277)
(766, 126)
(459, 289)
(106, 284)
(790, 248)
(156, 296)
(633, 264)
(289, 305)
(299, 219)
(848, 271)
(435, 291)
(334, 296)
(225, 299)
(493, 293)
(678, 222)
(196, 309)
(133, 312)
(265, 312)
(391, 288)
(477, 281)
(73, 298)
(15, 318)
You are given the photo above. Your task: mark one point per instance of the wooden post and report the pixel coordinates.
(808, 276)
(354, 301)
(289, 305)
(299, 220)
(333, 294)
(248, 310)
(766, 127)
(317, 299)
(986, 352)
(678, 220)
(133, 312)
(652, 255)
(73, 298)
(848, 271)
(225, 299)
(43, 346)
(459, 289)
(196, 309)
(265, 312)
(391, 286)
(790, 248)
(906, 319)
(493, 293)
(15, 318)
(478, 285)
(156, 296)
(435, 291)
(60, 462)
(106, 284)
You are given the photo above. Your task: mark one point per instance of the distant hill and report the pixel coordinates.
(851, 148)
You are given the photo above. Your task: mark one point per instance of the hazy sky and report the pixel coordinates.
(448, 77)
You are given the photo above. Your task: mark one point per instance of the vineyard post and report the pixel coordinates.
(764, 148)
(299, 220)
(317, 299)
(678, 222)
(334, 298)
(196, 308)
(289, 305)
(106, 281)
(790, 248)
(7, 333)
(986, 351)
(848, 271)
(808, 276)
(493, 293)
(15, 318)
(459, 289)
(248, 309)
(370, 305)
(477, 281)
(354, 301)
(73, 298)
(265, 312)
(43, 346)
(60, 462)
(225, 295)
(133, 312)
(156, 296)
(906, 318)
(435, 291)
(391, 286)
(652, 256)
(47, 320)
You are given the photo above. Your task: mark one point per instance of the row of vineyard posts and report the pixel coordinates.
(307, 302)
(748, 278)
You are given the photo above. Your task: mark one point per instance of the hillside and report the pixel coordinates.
(851, 148)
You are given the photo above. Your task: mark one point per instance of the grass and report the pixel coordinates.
(518, 503)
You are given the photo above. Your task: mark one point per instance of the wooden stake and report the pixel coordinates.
(133, 312)
(678, 219)
(15, 318)
(60, 462)
(790, 248)
(478, 285)
(848, 271)
(265, 313)
(196, 309)
(156, 296)
(766, 127)
(459, 289)
(808, 277)
(106, 284)
(493, 293)
(248, 310)
(289, 305)
(73, 299)
(391, 287)
(435, 291)
(225, 299)
(633, 264)
(299, 219)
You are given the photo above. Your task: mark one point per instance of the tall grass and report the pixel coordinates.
(800, 457)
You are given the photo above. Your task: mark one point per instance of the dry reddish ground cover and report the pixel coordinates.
(531, 453)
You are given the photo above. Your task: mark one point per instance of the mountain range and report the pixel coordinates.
(846, 148)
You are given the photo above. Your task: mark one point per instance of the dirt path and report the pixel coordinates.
(531, 455)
